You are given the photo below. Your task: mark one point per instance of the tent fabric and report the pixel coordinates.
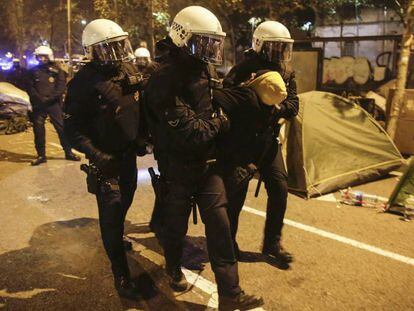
(333, 144)
(403, 189)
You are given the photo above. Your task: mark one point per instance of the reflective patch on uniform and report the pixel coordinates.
(136, 96)
(51, 79)
(174, 123)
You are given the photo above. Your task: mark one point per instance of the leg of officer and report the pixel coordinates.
(275, 178)
(176, 212)
(39, 118)
(114, 198)
(56, 118)
(128, 180)
(235, 206)
(212, 201)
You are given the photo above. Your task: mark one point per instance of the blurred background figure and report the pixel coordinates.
(46, 84)
(143, 58)
(17, 75)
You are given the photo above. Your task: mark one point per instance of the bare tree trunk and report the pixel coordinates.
(397, 100)
(151, 29)
(18, 25)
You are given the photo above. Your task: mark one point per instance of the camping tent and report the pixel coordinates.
(333, 143)
(403, 190)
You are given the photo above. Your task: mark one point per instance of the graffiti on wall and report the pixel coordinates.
(340, 70)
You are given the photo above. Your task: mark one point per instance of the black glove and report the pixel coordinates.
(225, 121)
(107, 164)
(111, 91)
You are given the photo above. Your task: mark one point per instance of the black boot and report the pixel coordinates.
(178, 281)
(276, 251)
(127, 244)
(71, 156)
(126, 288)
(39, 160)
(241, 301)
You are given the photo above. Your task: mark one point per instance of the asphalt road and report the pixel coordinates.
(51, 255)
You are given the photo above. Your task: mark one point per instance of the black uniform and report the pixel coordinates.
(272, 170)
(102, 121)
(184, 125)
(45, 85)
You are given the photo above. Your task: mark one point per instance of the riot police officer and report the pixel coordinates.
(45, 86)
(271, 49)
(17, 75)
(102, 121)
(142, 58)
(184, 126)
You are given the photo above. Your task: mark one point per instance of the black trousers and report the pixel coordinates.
(114, 197)
(56, 118)
(184, 182)
(274, 176)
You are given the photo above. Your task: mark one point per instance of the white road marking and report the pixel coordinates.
(71, 276)
(327, 198)
(25, 294)
(194, 279)
(333, 236)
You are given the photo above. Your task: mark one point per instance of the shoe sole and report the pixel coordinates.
(37, 164)
(178, 288)
(244, 308)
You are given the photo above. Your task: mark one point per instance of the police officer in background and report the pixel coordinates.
(142, 58)
(45, 85)
(17, 75)
(184, 125)
(271, 49)
(102, 121)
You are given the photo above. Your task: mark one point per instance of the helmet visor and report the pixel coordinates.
(113, 51)
(277, 51)
(208, 49)
(142, 61)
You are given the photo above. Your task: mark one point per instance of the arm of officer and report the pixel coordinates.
(76, 122)
(186, 127)
(34, 95)
(60, 85)
(236, 100)
(289, 108)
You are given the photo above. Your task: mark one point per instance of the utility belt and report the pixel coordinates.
(96, 182)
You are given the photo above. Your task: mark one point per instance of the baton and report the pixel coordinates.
(194, 208)
(259, 183)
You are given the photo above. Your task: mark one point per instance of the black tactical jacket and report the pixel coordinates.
(46, 85)
(248, 116)
(178, 104)
(102, 110)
